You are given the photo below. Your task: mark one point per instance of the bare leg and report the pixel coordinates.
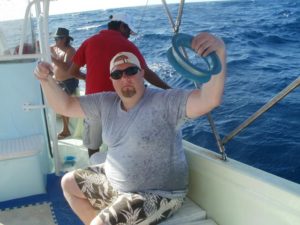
(77, 201)
(65, 132)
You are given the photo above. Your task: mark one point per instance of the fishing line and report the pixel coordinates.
(187, 69)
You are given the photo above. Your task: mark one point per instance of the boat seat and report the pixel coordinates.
(21, 158)
(189, 214)
(20, 147)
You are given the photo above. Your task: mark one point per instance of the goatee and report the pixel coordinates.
(128, 92)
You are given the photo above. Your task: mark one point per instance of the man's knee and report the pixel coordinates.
(70, 186)
(68, 181)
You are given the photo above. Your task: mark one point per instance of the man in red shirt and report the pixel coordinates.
(95, 53)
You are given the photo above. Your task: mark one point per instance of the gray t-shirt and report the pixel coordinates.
(145, 152)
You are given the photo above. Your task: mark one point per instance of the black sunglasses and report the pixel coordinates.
(58, 38)
(129, 71)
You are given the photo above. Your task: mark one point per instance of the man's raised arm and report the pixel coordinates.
(58, 99)
(203, 100)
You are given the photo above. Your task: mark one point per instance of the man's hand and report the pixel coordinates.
(43, 70)
(205, 43)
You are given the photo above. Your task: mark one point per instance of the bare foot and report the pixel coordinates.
(63, 135)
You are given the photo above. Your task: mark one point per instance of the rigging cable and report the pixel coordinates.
(141, 19)
(176, 30)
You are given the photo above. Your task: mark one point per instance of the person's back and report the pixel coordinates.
(96, 53)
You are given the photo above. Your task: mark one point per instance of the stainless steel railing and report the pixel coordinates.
(262, 110)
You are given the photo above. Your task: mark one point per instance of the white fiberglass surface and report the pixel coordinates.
(14, 29)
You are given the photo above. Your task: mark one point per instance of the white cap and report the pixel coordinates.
(125, 19)
(124, 57)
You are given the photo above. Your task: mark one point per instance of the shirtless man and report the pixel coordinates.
(61, 54)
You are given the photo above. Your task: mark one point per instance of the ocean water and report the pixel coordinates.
(263, 48)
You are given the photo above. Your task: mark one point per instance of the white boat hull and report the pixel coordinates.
(233, 193)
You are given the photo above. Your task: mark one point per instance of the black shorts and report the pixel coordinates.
(69, 85)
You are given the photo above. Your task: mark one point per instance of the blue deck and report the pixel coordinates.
(62, 213)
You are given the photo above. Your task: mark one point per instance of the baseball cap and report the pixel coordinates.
(125, 19)
(124, 57)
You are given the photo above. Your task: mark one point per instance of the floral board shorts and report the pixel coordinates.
(117, 208)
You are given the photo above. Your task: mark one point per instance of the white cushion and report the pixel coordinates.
(21, 147)
(189, 214)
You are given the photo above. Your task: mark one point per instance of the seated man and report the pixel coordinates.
(144, 179)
